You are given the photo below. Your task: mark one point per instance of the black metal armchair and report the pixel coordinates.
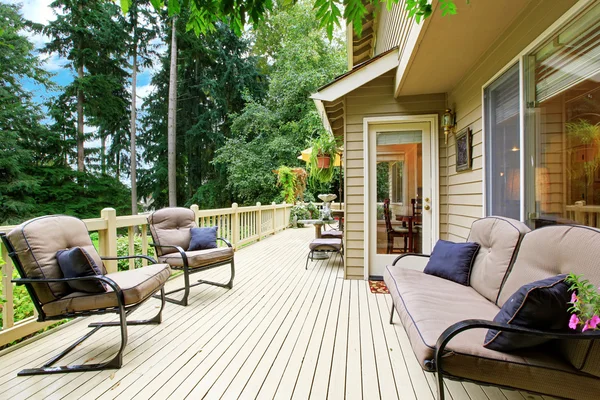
(33, 245)
(170, 228)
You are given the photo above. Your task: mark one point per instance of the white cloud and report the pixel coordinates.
(143, 92)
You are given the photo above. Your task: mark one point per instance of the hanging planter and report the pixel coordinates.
(324, 151)
(323, 161)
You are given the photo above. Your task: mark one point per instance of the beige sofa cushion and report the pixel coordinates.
(36, 242)
(499, 239)
(137, 285)
(199, 258)
(428, 305)
(171, 226)
(555, 250)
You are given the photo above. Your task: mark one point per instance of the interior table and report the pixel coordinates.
(409, 221)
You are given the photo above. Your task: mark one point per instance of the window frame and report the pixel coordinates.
(526, 198)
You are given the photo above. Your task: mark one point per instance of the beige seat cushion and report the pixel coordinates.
(332, 234)
(325, 244)
(428, 305)
(499, 239)
(137, 285)
(199, 258)
(36, 242)
(552, 251)
(171, 226)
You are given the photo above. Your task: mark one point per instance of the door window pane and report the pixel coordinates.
(563, 122)
(399, 188)
(503, 169)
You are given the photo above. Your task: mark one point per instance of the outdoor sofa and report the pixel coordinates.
(447, 322)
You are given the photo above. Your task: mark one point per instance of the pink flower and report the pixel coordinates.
(574, 298)
(586, 326)
(594, 322)
(573, 322)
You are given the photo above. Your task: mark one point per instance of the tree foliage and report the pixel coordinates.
(214, 72)
(35, 177)
(203, 16)
(273, 132)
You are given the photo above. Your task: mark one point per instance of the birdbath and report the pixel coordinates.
(326, 199)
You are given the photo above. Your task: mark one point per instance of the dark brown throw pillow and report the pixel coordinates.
(76, 262)
(539, 305)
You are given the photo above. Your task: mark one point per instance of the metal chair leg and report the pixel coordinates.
(392, 314)
(114, 363)
(440, 385)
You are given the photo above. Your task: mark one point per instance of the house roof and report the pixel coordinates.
(329, 99)
(361, 48)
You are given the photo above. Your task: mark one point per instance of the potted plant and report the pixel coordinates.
(324, 152)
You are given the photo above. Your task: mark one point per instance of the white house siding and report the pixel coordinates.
(371, 100)
(464, 200)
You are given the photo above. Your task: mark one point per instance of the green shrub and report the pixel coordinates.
(298, 212)
(23, 305)
(123, 250)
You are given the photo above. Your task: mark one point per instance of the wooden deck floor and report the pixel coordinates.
(281, 333)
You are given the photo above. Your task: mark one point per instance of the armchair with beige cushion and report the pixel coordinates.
(171, 231)
(33, 247)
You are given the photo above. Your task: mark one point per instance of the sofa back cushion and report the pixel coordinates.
(499, 239)
(555, 250)
(36, 243)
(171, 226)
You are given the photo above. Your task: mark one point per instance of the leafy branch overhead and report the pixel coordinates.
(204, 14)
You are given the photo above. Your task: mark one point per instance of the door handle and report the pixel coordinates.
(427, 208)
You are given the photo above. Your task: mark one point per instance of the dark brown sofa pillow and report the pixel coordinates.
(76, 262)
(539, 305)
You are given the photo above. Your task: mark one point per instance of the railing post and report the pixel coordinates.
(8, 309)
(196, 210)
(259, 220)
(283, 219)
(108, 238)
(235, 226)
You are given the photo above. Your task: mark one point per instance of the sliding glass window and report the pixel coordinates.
(502, 144)
(562, 125)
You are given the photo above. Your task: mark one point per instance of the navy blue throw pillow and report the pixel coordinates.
(539, 305)
(203, 238)
(452, 261)
(75, 263)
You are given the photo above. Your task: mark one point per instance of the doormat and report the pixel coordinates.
(378, 287)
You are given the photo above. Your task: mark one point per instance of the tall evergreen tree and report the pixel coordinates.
(214, 73)
(90, 35)
(20, 119)
(143, 29)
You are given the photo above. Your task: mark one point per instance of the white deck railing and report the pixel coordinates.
(240, 225)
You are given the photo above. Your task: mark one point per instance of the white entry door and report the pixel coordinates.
(399, 207)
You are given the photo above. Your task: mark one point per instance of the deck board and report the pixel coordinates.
(280, 333)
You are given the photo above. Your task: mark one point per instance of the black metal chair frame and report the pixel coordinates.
(187, 271)
(436, 365)
(324, 248)
(122, 310)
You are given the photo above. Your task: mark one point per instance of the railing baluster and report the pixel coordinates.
(144, 233)
(131, 239)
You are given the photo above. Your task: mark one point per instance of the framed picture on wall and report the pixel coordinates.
(463, 150)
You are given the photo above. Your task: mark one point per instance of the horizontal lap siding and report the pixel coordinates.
(374, 99)
(464, 190)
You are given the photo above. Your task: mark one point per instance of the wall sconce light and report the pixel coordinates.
(448, 123)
